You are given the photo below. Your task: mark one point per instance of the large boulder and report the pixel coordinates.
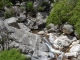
(63, 41)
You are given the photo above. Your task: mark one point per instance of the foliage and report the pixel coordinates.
(75, 14)
(77, 28)
(8, 14)
(29, 6)
(61, 12)
(40, 9)
(1, 4)
(12, 54)
(9, 4)
(5, 3)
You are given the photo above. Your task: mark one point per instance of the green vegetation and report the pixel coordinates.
(12, 54)
(77, 28)
(29, 6)
(60, 13)
(40, 9)
(8, 14)
(66, 11)
(5, 3)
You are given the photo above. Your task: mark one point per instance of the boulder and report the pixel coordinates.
(67, 29)
(63, 41)
(51, 27)
(75, 48)
(71, 55)
(75, 43)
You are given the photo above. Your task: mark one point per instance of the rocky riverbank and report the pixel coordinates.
(30, 35)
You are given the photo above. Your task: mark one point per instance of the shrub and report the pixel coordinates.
(77, 28)
(29, 6)
(75, 15)
(5, 3)
(1, 4)
(61, 12)
(8, 14)
(9, 4)
(12, 54)
(40, 9)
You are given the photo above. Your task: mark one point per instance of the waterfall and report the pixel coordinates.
(60, 57)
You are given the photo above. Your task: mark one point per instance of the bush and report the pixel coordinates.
(12, 54)
(1, 4)
(8, 14)
(40, 9)
(5, 3)
(9, 4)
(61, 12)
(75, 15)
(29, 6)
(77, 28)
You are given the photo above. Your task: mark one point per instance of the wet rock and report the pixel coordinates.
(67, 29)
(41, 32)
(51, 27)
(52, 37)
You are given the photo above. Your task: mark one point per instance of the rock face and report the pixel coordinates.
(67, 29)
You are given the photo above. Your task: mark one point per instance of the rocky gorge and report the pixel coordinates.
(27, 32)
